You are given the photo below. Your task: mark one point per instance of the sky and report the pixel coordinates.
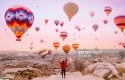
(53, 10)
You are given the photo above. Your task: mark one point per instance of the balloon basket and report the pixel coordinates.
(18, 39)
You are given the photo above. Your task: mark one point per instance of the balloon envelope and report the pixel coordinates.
(56, 22)
(70, 9)
(66, 48)
(19, 19)
(108, 10)
(46, 21)
(95, 27)
(91, 13)
(37, 29)
(75, 46)
(105, 21)
(63, 35)
(123, 44)
(120, 22)
(56, 45)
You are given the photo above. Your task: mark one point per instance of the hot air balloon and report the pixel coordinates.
(61, 24)
(46, 21)
(63, 35)
(66, 48)
(95, 27)
(76, 27)
(79, 29)
(56, 45)
(123, 44)
(31, 43)
(119, 43)
(105, 21)
(96, 48)
(37, 29)
(75, 46)
(116, 32)
(108, 10)
(56, 22)
(49, 52)
(31, 47)
(120, 22)
(19, 19)
(56, 30)
(91, 13)
(41, 40)
(70, 9)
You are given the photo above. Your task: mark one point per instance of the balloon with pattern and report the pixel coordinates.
(120, 22)
(63, 35)
(107, 10)
(56, 45)
(70, 9)
(66, 48)
(75, 46)
(19, 19)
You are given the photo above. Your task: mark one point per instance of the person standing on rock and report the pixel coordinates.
(63, 65)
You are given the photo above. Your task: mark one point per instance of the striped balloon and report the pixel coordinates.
(120, 22)
(66, 48)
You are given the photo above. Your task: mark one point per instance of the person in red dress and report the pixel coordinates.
(63, 65)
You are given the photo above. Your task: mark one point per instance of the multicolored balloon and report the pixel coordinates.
(63, 35)
(108, 10)
(120, 22)
(19, 19)
(70, 9)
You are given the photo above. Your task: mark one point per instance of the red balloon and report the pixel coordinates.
(123, 44)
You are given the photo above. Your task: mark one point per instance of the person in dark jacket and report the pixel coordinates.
(63, 65)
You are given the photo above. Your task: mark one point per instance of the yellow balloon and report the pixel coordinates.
(70, 9)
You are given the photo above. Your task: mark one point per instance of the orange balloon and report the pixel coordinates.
(75, 46)
(56, 45)
(66, 48)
